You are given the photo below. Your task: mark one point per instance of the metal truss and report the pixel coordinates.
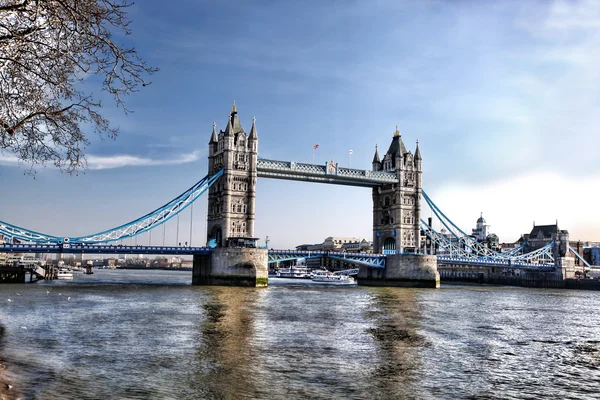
(130, 229)
(371, 260)
(333, 174)
(289, 255)
(465, 249)
(26, 235)
(100, 249)
(588, 266)
(461, 237)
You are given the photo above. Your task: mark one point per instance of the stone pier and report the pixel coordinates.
(565, 267)
(228, 266)
(404, 270)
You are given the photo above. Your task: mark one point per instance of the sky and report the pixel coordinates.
(502, 96)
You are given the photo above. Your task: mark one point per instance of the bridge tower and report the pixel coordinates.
(231, 199)
(396, 223)
(235, 260)
(397, 207)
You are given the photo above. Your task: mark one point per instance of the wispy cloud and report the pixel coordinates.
(95, 162)
(120, 161)
(8, 159)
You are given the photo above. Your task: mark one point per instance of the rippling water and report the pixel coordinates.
(150, 335)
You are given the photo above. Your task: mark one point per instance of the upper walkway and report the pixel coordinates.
(331, 173)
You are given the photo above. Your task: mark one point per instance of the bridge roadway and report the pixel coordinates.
(371, 260)
(274, 255)
(494, 263)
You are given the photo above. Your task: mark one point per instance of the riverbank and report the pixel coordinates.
(529, 281)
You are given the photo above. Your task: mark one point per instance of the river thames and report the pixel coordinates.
(151, 335)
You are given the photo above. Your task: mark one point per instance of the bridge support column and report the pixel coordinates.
(227, 266)
(405, 270)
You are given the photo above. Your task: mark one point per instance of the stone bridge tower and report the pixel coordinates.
(231, 199)
(397, 207)
(235, 260)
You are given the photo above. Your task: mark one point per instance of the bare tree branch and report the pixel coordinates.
(47, 48)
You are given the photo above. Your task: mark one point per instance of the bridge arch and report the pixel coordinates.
(216, 235)
(389, 244)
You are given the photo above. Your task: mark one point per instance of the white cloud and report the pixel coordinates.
(8, 159)
(511, 205)
(120, 161)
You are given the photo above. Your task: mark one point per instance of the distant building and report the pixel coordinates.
(358, 247)
(480, 232)
(335, 243)
(592, 255)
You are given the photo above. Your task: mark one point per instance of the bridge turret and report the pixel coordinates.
(253, 138)
(418, 187)
(213, 147)
(376, 160)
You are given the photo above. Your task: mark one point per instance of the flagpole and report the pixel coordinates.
(313, 159)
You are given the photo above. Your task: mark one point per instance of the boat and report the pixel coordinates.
(335, 278)
(64, 274)
(297, 271)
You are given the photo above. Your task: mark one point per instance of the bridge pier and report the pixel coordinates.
(565, 267)
(403, 270)
(230, 266)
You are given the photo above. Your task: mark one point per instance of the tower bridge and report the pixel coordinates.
(405, 248)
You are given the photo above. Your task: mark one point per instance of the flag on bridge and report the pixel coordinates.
(316, 146)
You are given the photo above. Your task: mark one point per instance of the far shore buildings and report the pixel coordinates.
(338, 243)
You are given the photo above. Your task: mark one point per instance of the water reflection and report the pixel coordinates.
(224, 356)
(396, 317)
(165, 341)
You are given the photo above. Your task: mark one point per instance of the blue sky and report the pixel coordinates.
(502, 96)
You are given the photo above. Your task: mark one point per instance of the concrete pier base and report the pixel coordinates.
(227, 266)
(404, 270)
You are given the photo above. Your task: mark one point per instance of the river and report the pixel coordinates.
(151, 335)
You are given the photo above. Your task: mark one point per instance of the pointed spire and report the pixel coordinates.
(213, 137)
(235, 121)
(417, 152)
(397, 132)
(229, 129)
(376, 158)
(253, 133)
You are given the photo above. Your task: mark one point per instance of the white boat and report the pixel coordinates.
(298, 272)
(64, 274)
(332, 278)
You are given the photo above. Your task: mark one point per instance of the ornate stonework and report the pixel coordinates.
(231, 199)
(397, 207)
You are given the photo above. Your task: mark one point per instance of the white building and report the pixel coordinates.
(482, 229)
